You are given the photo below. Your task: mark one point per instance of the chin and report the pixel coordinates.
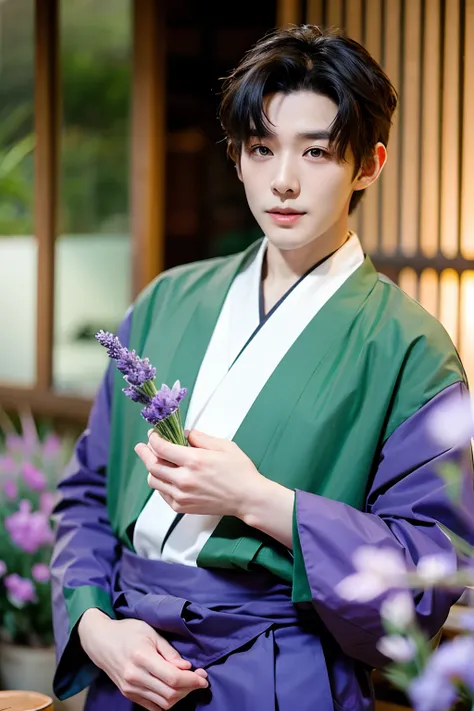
(286, 240)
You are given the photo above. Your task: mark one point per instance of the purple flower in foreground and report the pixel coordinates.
(8, 465)
(136, 370)
(41, 573)
(35, 478)
(46, 503)
(452, 425)
(136, 395)
(29, 530)
(20, 590)
(51, 446)
(164, 404)
(3, 568)
(10, 489)
(435, 689)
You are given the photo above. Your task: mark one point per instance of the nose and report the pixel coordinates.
(285, 181)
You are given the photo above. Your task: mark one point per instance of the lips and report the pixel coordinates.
(284, 211)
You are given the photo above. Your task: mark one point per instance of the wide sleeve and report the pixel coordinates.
(86, 549)
(406, 500)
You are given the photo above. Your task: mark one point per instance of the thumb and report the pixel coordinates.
(170, 654)
(205, 441)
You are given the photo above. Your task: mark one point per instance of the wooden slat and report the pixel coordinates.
(411, 128)
(369, 219)
(314, 12)
(334, 13)
(408, 281)
(288, 12)
(430, 130)
(466, 341)
(467, 188)
(46, 179)
(429, 291)
(450, 132)
(389, 182)
(354, 19)
(449, 303)
(73, 409)
(148, 142)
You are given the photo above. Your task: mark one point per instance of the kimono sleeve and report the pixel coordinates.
(406, 500)
(86, 549)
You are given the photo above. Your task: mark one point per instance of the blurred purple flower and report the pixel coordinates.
(136, 370)
(29, 530)
(20, 590)
(14, 442)
(435, 689)
(46, 502)
(51, 446)
(34, 477)
(453, 424)
(41, 573)
(3, 568)
(8, 465)
(10, 489)
(164, 403)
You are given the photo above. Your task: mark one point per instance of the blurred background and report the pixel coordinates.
(112, 168)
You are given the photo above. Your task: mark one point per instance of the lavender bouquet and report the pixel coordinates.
(161, 406)
(435, 678)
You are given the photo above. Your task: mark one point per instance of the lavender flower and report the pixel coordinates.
(436, 689)
(397, 647)
(29, 530)
(10, 489)
(41, 573)
(377, 570)
(136, 370)
(7, 465)
(164, 404)
(51, 446)
(35, 478)
(46, 502)
(20, 590)
(137, 395)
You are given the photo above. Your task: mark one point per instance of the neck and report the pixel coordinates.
(286, 266)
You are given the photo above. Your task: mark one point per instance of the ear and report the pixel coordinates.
(371, 170)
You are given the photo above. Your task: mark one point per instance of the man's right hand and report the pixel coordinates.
(140, 662)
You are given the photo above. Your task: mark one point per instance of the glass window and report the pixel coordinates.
(93, 270)
(18, 255)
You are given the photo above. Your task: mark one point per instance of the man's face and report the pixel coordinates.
(296, 170)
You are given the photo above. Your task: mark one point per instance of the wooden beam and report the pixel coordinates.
(47, 404)
(46, 179)
(148, 147)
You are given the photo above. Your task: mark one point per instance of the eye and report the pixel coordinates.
(260, 150)
(317, 153)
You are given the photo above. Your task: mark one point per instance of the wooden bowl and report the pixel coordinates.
(25, 701)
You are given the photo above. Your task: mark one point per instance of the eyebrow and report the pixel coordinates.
(305, 136)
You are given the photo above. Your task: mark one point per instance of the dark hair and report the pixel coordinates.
(306, 57)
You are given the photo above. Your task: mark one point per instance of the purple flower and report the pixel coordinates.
(136, 370)
(41, 573)
(8, 465)
(35, 478)
(29, 530)
(10, 489)
(46, 502)
(3, 568)
(136, 395)
(111, 342)
(164, 403)
(51, 446)
(435, 689)
(14, 442)
(20, 590)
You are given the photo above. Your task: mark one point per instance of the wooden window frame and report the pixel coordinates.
(147, 145)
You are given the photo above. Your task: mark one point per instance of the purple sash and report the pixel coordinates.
(260, 650)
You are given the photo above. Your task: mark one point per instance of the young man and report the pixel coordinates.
(211, 582)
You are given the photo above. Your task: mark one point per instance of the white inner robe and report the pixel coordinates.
(225, 390)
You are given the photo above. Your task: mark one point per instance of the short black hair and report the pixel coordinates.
(306, 57)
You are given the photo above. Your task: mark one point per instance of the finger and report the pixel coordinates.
(175, 453)
(171, 655)
(205, 441)
(168, 674)
(138, 697)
